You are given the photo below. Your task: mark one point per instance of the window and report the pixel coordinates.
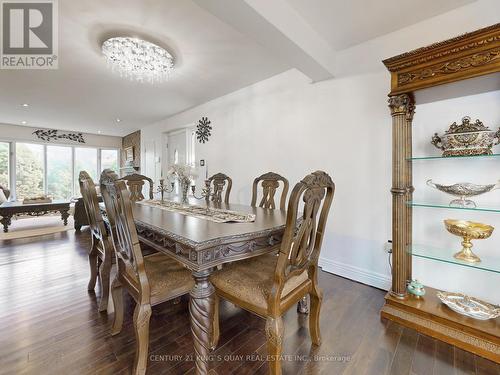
(85, 160)
(30, 171)
(4, 164)
(59, 172)
(109, 160)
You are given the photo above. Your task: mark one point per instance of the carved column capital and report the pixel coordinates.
(402, 105)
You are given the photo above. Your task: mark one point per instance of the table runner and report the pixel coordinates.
(217, 215)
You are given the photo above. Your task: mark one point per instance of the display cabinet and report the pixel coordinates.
(459, 59)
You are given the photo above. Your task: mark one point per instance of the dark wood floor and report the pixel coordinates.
(49, 324)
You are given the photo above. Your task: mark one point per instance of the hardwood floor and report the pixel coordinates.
(49, 324)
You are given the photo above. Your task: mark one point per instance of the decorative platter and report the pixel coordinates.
(469, 306)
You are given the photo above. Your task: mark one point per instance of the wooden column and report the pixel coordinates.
(402, 109)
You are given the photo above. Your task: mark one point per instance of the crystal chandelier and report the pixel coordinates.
(137, 59)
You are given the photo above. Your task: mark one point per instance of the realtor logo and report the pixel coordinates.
(29, 34)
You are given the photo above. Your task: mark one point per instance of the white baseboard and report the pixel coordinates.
(378, 280)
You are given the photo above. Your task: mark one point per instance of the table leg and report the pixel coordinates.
(201, 312)
(65, 216)
(6, 222)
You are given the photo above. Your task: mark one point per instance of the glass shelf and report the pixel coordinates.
(445, 206)
(453, 157)
(446, 255)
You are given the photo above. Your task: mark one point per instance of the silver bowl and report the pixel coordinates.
(463, 190)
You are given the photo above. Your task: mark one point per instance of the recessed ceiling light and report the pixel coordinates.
(98, 132)
(25, 105)
(23, 122)
(118, 120)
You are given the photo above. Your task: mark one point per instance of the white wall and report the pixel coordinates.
(25, 133)
(342, 126)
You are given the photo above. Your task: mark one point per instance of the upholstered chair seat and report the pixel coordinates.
(167, 277)
(250, 281)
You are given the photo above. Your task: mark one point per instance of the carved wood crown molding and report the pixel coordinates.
(444, 48)
(468, 55)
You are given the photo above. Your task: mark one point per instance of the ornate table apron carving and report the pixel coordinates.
(9, 209)
(202, 257)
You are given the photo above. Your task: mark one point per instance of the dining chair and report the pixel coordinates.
(270, 182)
(150, 280)
(5, 191)
(101, 251)
(269, 285)
(135, 182)
(218, 181)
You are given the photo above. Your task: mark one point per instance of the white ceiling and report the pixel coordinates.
(344, 23)
(213, 57)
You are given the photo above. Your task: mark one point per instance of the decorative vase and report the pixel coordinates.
(184, 190)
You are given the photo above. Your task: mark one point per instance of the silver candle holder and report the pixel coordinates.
(162, 189)
(206, 192)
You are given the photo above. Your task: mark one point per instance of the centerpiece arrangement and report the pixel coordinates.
(185, 175)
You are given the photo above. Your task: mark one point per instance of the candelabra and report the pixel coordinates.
(162, 189)
(206, 193)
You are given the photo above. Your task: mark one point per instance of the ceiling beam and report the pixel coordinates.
(278, 27)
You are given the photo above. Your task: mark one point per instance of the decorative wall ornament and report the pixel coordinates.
(203, 130)
(53, 135)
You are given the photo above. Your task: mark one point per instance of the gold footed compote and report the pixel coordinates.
(468, 230)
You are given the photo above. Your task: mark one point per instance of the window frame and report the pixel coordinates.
(9, 164)
(12, 162)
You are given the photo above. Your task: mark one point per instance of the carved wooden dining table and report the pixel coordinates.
(202, 245)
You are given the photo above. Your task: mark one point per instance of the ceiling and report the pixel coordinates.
(347, 23)
(219, 46)
(212, 59)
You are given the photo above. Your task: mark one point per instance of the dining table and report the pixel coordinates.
(203, 245)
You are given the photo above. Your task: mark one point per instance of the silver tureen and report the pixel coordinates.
(467, 139)
(463, 190)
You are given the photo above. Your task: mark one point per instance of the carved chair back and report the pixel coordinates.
(124, 233)
(135, 182)
(219, 181)
(302, 239)
(5, 191)
(91, 204)
(270, 182)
